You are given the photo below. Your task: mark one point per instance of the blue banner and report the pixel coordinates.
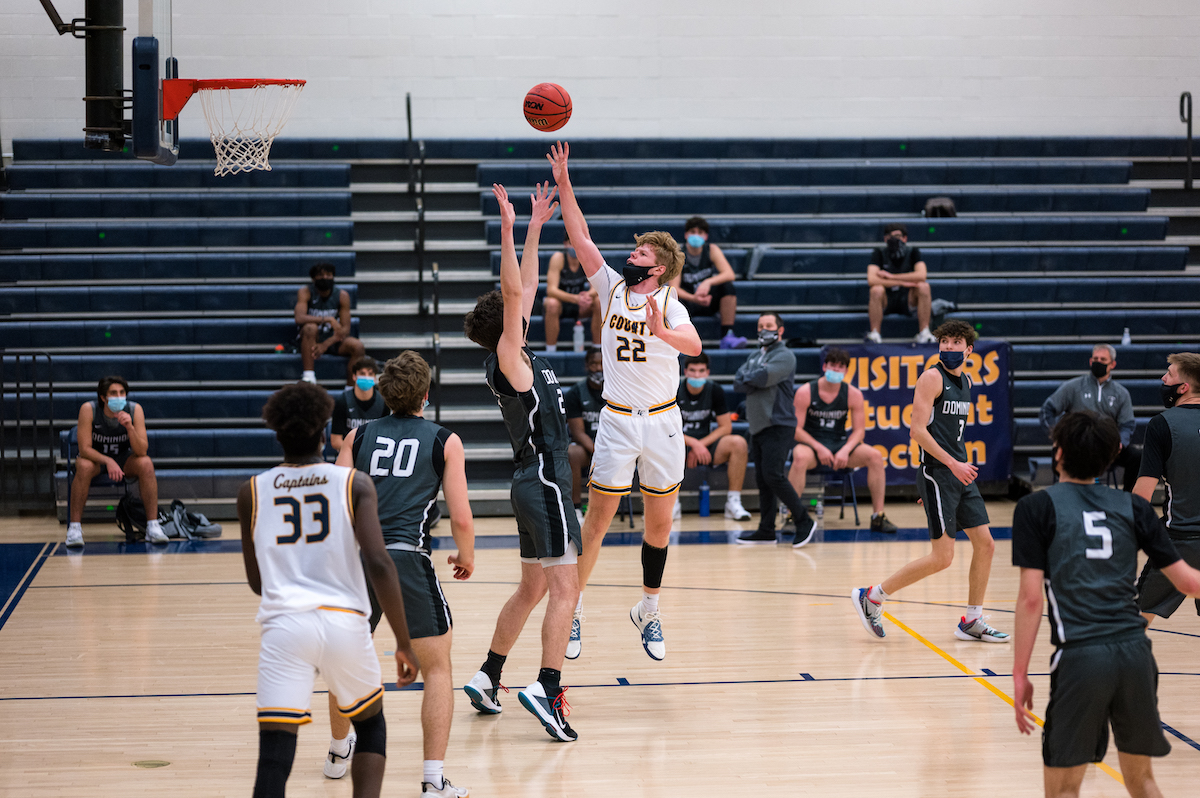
(887, 375)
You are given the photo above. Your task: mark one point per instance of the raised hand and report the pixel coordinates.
(543, 204)
(654, 318)
(508, 216)
(558, 161)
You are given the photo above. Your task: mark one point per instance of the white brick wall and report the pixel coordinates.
(658, 67)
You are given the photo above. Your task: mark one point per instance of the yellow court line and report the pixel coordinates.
(985, 683)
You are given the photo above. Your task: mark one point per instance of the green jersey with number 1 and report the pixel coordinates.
(948, 420)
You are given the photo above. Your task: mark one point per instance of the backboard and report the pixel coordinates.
(154, 138)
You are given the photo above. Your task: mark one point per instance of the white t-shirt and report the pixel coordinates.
(303, 529)
(640, 370)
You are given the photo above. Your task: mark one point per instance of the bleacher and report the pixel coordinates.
(184, 282)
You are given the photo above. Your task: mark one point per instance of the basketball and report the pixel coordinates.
(547, 107)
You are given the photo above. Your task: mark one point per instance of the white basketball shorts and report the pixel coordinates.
(649, 439)
(336, 643)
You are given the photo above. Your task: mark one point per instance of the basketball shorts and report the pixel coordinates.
(1092, 686)
(425, 607)
(649, 440)
(570, 310)
(547, 526)
(295, 647)
(949, 504)
(898, 304)
(1156, 594)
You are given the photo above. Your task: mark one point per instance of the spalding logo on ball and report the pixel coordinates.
(547, 107)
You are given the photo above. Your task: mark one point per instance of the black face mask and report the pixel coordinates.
(897, 250)
(1169, 395)
(635, 274)
(324, 284)
(596, 378)
(1099, 370)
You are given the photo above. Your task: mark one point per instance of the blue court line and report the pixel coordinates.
(1183, 737)
(28, 573)
(691, 537)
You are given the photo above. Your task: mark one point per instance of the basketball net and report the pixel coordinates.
(243, 121)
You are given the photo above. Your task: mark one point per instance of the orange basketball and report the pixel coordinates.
(547, 107)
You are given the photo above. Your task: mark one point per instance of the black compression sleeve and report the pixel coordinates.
(1156, 449)
(1152, 535)
(1032, 531)
(439, 451)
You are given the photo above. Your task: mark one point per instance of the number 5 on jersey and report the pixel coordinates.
(405, 457)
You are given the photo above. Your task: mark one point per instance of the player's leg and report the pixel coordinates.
(287, 657)
(939, 558)
(972, 518)
(352, 349)
(350, 667)
(484, 686)
(1138, 775)
(876, 302)
(868, 457)
(1133, 712)
(733, 451)
(803, 459)
(922, 299)
(437, 703)
(551, 313)
(544, 698)
(85, 472)
(142, 469)
(370, 758)
(308, 339)
(602, 509)
(618, 446)
(983, 548)
(776, 443)
(341, 746)
(1063, 782)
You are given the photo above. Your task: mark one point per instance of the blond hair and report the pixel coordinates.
(667, 252)
(1188, 366)
(404, 383)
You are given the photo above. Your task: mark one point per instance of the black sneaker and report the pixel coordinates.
(805, 528)
(880, 523)
(758, 537)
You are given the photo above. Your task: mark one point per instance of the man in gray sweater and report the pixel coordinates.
(1102, 394)
(767, 380)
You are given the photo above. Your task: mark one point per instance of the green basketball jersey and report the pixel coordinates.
(826, 421)
(404, 456)
(536, 419)
(949, 417)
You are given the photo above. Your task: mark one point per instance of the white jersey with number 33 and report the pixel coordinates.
(640, 370)
(303, 528)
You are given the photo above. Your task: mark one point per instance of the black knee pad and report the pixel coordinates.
(372, 734)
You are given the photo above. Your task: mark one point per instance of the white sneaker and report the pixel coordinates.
(336, 765)
(874, 337)
(154, 533)
(483, 696)
(551, 712)
(734, 510)
(677, 513)
(925, 337)
(74, 536)
(575, 643)
(579, 515)
(650, 625)
(448, 790)
(309, 376)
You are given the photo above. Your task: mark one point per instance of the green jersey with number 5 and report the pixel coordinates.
(405, 457)
(948, 420)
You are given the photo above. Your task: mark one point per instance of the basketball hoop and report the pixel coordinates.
(241, 129)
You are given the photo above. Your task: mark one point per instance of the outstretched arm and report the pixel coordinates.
(577, 229)
(543, 210)
(510, 350)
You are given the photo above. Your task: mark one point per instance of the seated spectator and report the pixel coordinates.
(569, 296)
(323, 323)
(707, 431)
(823, 439)
(583, 402)
(897, 278)
(355, 406)
(1099, 392)
(706, 284)
(112, 439)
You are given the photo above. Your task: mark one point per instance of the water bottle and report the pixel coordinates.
(577, 336)
(1125, 339)
(704, 499)
(819, 517)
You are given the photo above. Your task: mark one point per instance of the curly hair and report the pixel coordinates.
(667, 252)
(404, 383)
(1087, 443)
(297, 413)
(955, 328)
(485, 324)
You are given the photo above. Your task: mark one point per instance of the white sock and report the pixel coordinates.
(340, 747)
(75, 526)
(308, 376)
(926, 330)
(877, 595)
(551, 347)
(434, 768)
(153, 526)
(734, 494)
(649, 601)
(974, 612)
(579, 604)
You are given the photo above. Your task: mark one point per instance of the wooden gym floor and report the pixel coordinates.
(109, 659)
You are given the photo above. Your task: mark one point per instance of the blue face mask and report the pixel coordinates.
(695, 242)
(952, 360)
(425, 405)
(696, 382)
(365, 383)
(834, 376)
(570, 252)
(116, 403)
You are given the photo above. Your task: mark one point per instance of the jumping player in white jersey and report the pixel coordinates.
(300, 523)
(645, 328)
